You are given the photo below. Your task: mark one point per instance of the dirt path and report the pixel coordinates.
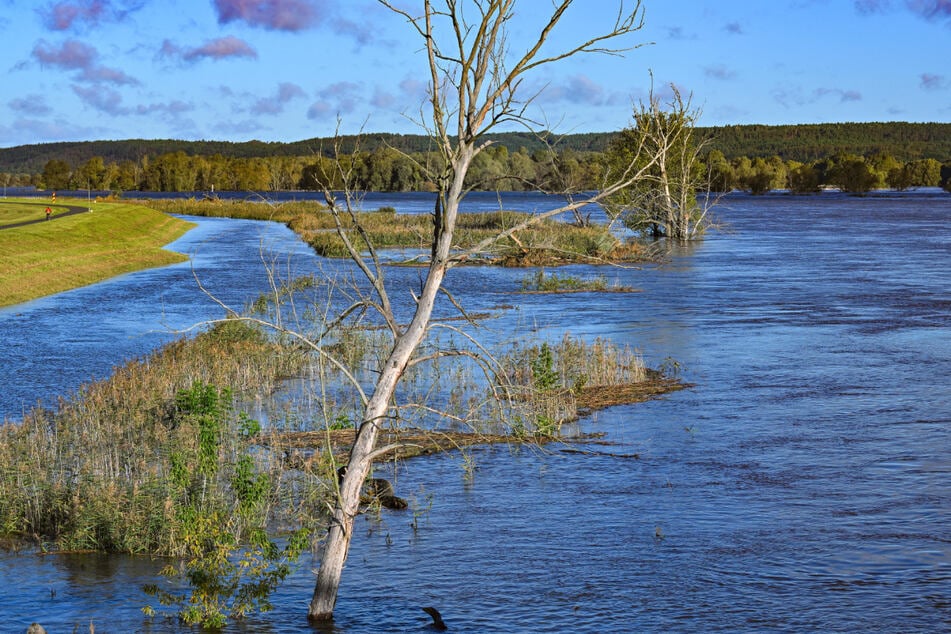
(70, 210)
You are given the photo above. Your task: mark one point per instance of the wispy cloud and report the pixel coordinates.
(382, 99)
(75, 55)
(107, 101)
(221, 48)
(217, 49)
(72, 55)
(934, 82)
(69, 14)
(174, 108)
(932, 10)
(734, 28)
(677, 33)
(338, 98)
(719, 71)
(792, 96)
(275, 15)
(244, 128)
(843, 95)
(871, 6)
(362, 32)
(286, 92)
(33, 105)
(414, 90)
(320, 110)
(937, 10)
(174, 113)
(579, 89)
(29, 130)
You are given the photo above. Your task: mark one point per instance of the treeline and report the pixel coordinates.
(31, 159)
(803, 143)
(385, 167)
(848, 172)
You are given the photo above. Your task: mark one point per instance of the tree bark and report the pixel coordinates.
(361, 455)
(482, 89)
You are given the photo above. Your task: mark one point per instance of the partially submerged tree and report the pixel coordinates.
(663, 142)
(853, 174)
(475, 85)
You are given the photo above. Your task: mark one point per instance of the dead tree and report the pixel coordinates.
(673, 198)
(475, 85)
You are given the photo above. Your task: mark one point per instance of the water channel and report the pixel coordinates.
(802, 485)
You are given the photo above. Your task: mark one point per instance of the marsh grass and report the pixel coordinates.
(540, 282)
(73, 251)
(553, 381)
(259, 209)
(96, 472)
(548, 242)
(522, 390)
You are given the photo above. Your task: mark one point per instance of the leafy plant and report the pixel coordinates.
(340, 421)
(543, 369)
(230, 564)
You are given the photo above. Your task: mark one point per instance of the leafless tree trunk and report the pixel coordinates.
(475, 85)
(672, 199)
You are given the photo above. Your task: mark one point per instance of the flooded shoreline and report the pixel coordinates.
(800, 485)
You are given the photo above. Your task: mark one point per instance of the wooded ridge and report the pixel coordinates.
(803, 142)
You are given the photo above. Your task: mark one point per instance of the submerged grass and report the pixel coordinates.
(548, 242)
(540, 282)
(98, 472)
(73, 251)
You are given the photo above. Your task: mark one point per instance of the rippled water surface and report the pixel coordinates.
(803, 484)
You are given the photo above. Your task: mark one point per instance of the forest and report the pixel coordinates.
(855, 157)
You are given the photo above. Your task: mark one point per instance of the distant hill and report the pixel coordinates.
(905, 141)
(810, 142)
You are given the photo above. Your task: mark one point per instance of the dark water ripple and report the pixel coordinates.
(803, 485)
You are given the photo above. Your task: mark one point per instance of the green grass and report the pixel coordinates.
(72, 251)
(106, 479)
(14, 210)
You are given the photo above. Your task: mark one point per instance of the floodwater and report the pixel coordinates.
(802, 485)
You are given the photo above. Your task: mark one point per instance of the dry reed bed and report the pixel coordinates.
(548, 242)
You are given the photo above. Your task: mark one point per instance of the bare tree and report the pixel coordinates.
(475, 85)
(673, 198)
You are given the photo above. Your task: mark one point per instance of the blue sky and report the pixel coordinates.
(285, 70)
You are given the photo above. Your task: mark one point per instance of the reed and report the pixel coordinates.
(550, 380)
(95, 472)
(539, 282)
(547, 242)
(259, 209)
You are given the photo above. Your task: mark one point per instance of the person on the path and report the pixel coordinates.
(48, 212)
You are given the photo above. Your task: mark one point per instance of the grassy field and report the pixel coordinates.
(13, 210)
(72, 251)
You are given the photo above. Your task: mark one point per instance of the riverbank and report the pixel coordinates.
(73, 250)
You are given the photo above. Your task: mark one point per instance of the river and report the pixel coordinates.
(802, 484)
